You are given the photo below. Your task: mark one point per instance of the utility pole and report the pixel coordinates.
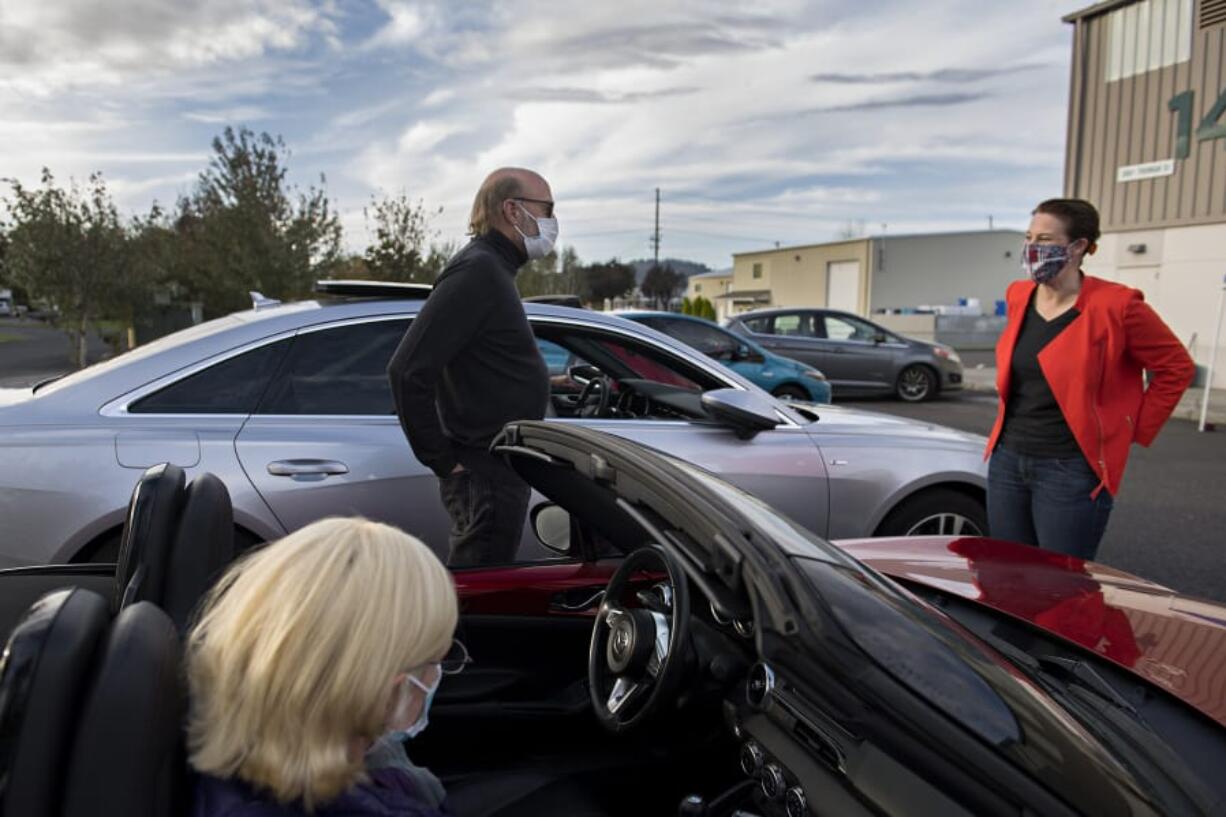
(655, 237)
(989, 222)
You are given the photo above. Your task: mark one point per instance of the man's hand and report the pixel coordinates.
(458, 468)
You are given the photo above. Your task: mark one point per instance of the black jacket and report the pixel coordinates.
(469, 363)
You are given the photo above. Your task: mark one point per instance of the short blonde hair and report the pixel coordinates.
(295, 650)
(498, 187)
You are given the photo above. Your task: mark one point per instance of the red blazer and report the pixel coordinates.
(1095, 370)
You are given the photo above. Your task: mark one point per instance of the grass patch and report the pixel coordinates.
(10, 338)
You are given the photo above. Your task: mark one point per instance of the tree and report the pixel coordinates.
(537, 276)
(687, 306)
(703, 308)
(608, 280)
(68, 247)
(244, 227)
(402, 230)
(661, 284)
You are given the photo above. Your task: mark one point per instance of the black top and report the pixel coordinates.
(1034, 424)
(469, 363)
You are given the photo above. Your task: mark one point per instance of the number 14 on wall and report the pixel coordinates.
(1208, 129)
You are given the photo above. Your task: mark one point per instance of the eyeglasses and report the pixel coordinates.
(548, 205)
(456, 659)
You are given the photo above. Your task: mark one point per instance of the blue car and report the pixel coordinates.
(781, 376)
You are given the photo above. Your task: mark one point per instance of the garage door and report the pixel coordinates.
(843, 286)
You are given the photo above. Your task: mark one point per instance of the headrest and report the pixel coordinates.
(44, 674)
(148, 533)
(203, 548)
(128, 757)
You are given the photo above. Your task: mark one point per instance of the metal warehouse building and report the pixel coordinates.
(1147, 145)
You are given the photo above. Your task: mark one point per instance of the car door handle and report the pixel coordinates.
(306, 468)
(577, 600)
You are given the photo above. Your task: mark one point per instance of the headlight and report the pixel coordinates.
(947, 353)
(813, 374)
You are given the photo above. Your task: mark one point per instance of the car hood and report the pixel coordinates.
(1176, 642)
(835, 419)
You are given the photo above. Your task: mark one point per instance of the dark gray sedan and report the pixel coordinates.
(857, 356)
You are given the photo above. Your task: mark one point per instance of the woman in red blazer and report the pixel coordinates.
(1070, 373)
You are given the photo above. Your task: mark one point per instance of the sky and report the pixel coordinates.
(777, 121)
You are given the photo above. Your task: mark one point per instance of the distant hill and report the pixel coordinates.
(686, 268)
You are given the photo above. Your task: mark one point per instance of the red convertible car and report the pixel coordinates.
(690, 652)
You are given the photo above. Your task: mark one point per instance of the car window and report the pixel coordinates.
(342, 370)
(760, 326)
(842, 327)
(557, 358)
(794, 324)
(619, 357)
(232, 386)
(707, 339)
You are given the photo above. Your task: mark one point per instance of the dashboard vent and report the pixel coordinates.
(818, 744)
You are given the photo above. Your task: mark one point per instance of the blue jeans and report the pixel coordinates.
(1046, 502)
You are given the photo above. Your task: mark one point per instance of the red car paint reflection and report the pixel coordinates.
(1176, 642)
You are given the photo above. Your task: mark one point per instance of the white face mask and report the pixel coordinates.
(541, 244)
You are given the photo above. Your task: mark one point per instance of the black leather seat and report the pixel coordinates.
(176, 541)
(127, 758)
(203, 548)
(44, 676)
(148, 531)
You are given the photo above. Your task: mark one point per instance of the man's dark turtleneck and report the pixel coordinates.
(469, 363)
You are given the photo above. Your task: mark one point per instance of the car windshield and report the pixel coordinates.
(926, 652)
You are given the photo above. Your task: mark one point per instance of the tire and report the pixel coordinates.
(936, 512)
(789, 391)
(916, 383)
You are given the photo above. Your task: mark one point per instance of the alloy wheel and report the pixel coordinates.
(945, 524)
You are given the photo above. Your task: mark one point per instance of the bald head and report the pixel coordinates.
(502, 197)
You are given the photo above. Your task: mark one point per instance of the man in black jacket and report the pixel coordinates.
(469, 364)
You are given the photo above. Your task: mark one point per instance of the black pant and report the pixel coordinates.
(487, 502)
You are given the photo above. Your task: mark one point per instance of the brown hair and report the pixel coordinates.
(1078, 215)
(496, 189)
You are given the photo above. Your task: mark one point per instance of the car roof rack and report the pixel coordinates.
(373, 289)
(557, 300)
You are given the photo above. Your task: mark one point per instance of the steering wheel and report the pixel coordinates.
(636, 658)
(601, 385)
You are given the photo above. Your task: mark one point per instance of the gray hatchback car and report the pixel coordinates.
(290, 406)
(856, 355)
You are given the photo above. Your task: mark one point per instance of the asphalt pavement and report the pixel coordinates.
(32, 350)
(1169, 522)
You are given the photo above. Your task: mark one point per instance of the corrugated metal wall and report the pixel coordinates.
(1127, 121)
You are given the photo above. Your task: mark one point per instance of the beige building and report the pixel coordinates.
(866, 275)
(1147, 146)
(711, 285)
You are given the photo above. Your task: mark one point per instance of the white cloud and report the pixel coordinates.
(779, 124)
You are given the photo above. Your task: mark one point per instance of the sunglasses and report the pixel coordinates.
(548, 205)
(456, 659)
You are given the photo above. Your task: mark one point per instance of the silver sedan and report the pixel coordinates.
(290, 405)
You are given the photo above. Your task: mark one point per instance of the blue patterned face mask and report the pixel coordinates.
(1043, 262)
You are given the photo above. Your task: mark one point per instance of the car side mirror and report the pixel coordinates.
(745, 412)
(880, 337)
(583, 373)
(551, 524)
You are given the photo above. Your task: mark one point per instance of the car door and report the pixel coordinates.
(783, 467)
(860, 360)
(796, 335)
(325, 440)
